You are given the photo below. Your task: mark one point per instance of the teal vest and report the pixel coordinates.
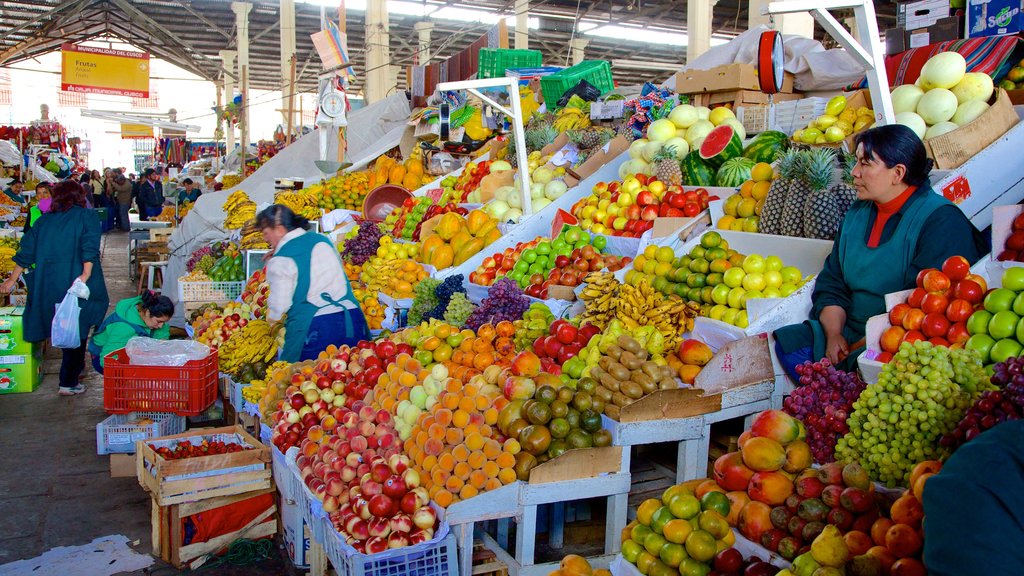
(301, 312)
(114, 318)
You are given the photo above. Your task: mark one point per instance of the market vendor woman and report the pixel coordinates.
(897, 227)
(308, 284)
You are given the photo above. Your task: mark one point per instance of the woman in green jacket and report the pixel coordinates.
(145, 315)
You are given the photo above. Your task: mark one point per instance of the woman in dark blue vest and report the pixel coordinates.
(897, 227)
(308, 288)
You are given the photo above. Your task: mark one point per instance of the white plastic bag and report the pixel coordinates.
(144, 351)
(64, 330)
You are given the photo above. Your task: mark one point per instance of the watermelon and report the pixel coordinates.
(723, 143)
(734, 172)
(696, 172)
(766, 146)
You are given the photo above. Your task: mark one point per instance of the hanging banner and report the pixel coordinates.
(104, 71)
(130, 131)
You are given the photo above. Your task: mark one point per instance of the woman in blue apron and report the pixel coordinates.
(308, 288)
(897, 227)
(144, 315)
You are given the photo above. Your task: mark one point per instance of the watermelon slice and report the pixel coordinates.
(723, 143)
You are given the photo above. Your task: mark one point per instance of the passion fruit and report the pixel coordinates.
(590, 421)
(559, 428)
(602, 438)
(538, 413)
(524, 463)
(546, 394)
(558, 409)
(535, 439)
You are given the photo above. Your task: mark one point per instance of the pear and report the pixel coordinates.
(829, 548)
(854, 475)
(864, 565)
(805, 565)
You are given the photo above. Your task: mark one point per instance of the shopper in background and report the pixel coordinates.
(98, 198)
(190, 192)
(44, 201)
(897, 227)
(14, 190)
(151, 195)
(144, 315)
(63, 244)
(308, 283)
(122, 197)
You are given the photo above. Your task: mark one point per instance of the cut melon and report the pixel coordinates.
(721, 144)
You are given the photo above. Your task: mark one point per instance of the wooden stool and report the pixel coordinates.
(152, 269)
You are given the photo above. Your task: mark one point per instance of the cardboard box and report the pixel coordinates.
(737, 76)
(12, 339)
(945, 30)
(895, 41)
(296, 533)
(992, 17)
(122, 465)
(737, 98)
(20, 372)
(578, 464)
(953, 149)
(920, 14)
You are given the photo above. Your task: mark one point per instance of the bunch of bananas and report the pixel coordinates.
(254, 391)
(239, 210)
(196, 275)
(672, 318)
(302, 203)
(599, 298)
(571, 118)
(254, 342)
(8, 247)
(606, 299)
(252, 238)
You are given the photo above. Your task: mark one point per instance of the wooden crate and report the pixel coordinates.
(167, 528)
(486, 563)
(203, 477)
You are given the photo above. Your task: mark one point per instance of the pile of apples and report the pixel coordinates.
(937, 309)
(629, 208)
(1013, 248)
(257, 293)
(384, 508)
(563, 342)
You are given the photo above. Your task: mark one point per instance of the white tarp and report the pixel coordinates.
(814, 67)
(372, 131)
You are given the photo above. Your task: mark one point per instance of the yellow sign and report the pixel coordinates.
(104, 71)
(136, 131)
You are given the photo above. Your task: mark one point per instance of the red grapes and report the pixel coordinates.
(822, 401)
(993, 406)
(364, 245)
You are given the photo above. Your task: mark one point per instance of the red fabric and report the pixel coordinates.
(227, 519)
(986, 54)
(885, 211)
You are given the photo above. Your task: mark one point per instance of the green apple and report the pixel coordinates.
(736, 297)
(1018, 304)
(978, 322)
(1000, 299)
(770, 292)
(773, 278)
(786, 289)
(981, 343)
(791, 275)
(1013, 279)
(773, 263)
(717, 311)
(729, 317)
(750, 295)
(733, 277)
(742, 319)
(754, 281)
(754, 263)
(720, 294)
(1005, 348)
(1020, 331)
(1003, 324)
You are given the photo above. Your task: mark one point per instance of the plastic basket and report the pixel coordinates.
(209, 291)
(493, 61)
(183, 390)
(118, 433)
(597, 72)
(436, 557)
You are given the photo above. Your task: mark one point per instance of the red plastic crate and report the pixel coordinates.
(183, 390)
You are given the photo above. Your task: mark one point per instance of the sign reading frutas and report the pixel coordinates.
(104, 71)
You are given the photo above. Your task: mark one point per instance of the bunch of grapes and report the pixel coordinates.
(363, 245)
(505, 301)
(219, 248)
(197, 256)
(994, 406)
(424, 301)
(822, 402)
(919, 397)
(452, 285)
(459, 310)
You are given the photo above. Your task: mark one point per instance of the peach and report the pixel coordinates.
(731, 473)
(902, 540)
(777, 425)
(763, 454)
(798, 457)
(754, 520)
(695, 352)
(771, 488)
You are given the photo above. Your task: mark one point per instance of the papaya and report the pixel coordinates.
(411, 181)
(468, 249)
(430, 246)
(461, 238)
(442, 257)
(414, 167)
(396, 174)
(476, 221)
(492, 236)
(449, 225)
(486, 229)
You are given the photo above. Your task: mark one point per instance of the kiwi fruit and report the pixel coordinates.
(668, 385)
(630, 361)
(605, 362)
(649, 386)
(651, 369)
(609, 382)
(619, 371)
(640, 378)
(596, 372)
(613, 351)
(603, 393)
(628, 344)
(632, 390)
(642, 355)
(612, 411)
(620, 399)
(667, 373)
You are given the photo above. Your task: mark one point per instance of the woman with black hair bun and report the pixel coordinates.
(308, 288)
(897, 227)
(144, 315)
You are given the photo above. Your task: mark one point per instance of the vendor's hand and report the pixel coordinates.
(8, 286)
(836, 349)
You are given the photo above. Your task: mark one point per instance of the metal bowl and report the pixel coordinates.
(382, 200)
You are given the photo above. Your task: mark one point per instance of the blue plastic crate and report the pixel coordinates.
(118, 433)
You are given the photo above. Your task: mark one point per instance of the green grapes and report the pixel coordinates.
(459, 309)
(920, 396)
(424, 301)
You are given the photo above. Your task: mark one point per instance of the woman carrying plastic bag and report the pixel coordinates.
(63, 245)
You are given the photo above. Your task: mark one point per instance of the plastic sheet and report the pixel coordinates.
(145, 351)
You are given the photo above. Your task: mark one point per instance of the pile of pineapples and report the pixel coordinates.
(811, 195)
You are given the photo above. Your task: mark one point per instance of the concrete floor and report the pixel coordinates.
(54, 489)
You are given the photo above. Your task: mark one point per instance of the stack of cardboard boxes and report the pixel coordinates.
(927, 22)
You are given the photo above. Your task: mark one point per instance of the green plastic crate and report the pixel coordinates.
(493, 62)
(597, 72)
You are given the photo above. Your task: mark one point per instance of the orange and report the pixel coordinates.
(443, 352)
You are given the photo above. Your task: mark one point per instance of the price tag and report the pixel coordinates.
(120, 438)
(958, 190)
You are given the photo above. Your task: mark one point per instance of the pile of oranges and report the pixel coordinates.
(346, 190)
(490, 346)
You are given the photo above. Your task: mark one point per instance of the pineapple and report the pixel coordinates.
(666, 166)
(590, 138)
(821, 211)
(844, 189)
(771, 212)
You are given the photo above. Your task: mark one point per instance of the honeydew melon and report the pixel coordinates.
(905, 98)
(939, 129)
(913, 121)
(937, 105)
(944, 70)
(684, 116)
(969, 111)
(974, 86)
